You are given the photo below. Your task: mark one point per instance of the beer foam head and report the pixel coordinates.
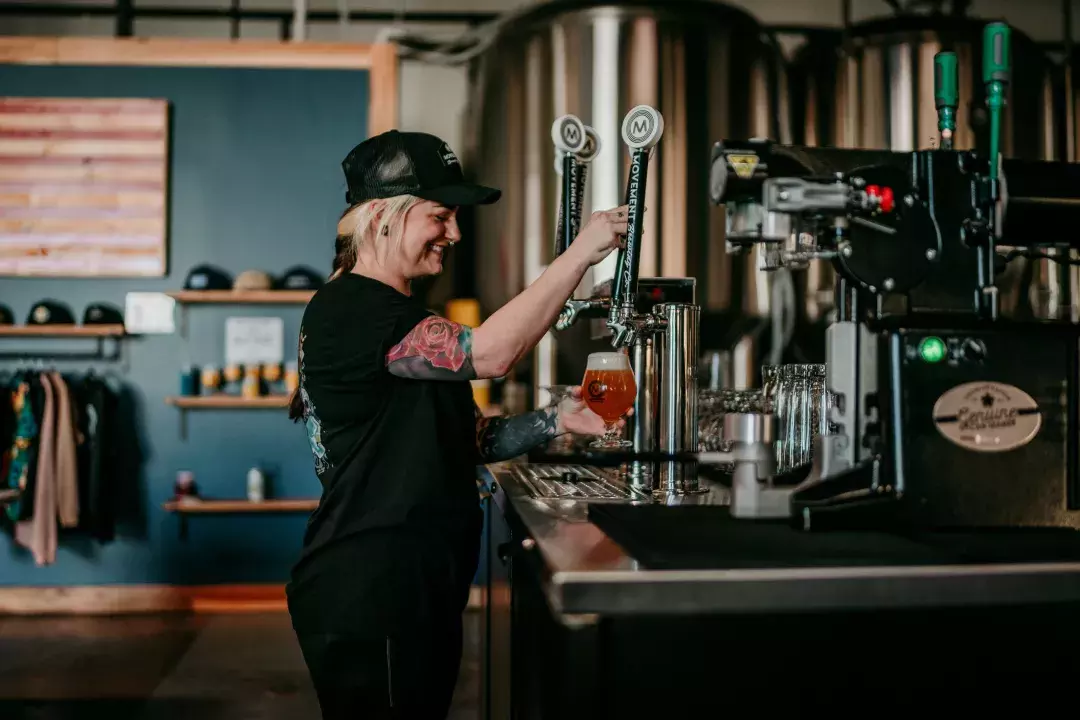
(608, 361)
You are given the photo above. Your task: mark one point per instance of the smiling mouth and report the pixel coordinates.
(437, 249)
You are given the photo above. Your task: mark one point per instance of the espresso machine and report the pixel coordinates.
(655, 320)
(942, 413)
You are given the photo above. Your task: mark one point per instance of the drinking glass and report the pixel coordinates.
(801, 404)
(609, 390)
(713, 405)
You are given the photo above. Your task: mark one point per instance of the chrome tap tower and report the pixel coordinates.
(655, 320)
(662, 340)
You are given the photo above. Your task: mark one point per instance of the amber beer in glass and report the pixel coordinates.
(609, 390)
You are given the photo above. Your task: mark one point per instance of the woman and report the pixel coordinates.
(388, 557)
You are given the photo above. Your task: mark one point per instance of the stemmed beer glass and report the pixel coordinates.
(609, 390)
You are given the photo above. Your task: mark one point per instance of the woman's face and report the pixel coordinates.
(430, 228)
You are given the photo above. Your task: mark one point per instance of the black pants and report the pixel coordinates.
(408, 676)
(379, 621)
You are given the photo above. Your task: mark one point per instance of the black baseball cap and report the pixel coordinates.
(50, 312)
(102, 314)
(207, 277)
(410, 163)
(299, 277)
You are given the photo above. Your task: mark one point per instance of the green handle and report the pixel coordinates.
(996, 76)
(946, 92)
(996, 52)
(946, 95)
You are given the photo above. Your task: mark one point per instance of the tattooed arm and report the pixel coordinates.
(501, 438)
(437, 349)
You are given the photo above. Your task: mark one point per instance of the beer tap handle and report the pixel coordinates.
(587, 154)
(568, 135)
(641, 131)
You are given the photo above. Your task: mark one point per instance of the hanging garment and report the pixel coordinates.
(8, 422)
(67, 478)
(39, 534)
(97, 418)
(18, 456)
(37, 403)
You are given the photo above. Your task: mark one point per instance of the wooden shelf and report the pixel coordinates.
(241, 506)
(227, 402)
(243, 297)
(62, 330)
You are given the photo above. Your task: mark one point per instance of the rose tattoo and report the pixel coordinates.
(435, 348)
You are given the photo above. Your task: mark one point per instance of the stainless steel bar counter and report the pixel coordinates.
(582, 628)
(586, 572)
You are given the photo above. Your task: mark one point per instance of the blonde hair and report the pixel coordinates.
(361, 227)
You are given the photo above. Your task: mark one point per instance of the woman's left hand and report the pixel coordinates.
(574, 416)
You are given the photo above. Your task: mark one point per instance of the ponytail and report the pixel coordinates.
(296, 406)
(344, 255)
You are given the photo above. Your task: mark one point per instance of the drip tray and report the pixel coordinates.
(575, 482)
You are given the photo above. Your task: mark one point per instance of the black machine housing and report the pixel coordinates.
(965, 418)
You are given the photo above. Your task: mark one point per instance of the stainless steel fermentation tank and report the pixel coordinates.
(711, 70)
(873, 87)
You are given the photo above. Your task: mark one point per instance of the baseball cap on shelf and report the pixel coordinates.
(299, 277)
(410, 163)
(206, 277)
(50, 312)
(253, 280)
(102, 314)
(6, 316)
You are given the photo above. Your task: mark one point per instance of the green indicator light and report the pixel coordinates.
(932, 349)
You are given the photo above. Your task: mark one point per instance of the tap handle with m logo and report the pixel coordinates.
(641, 131)
(568, 135)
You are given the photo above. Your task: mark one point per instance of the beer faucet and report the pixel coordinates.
(573, 168)
(641, 131)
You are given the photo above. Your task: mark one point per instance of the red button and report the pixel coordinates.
(887, 201)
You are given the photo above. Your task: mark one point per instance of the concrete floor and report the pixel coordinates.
(209, 667)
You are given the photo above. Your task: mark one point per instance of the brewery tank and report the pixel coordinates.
(873, 87)
(712, 70)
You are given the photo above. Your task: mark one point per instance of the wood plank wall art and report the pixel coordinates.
(83, 186)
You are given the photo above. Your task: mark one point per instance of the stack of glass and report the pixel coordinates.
(796, 394)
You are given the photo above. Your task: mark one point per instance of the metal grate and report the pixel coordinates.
(550, 482)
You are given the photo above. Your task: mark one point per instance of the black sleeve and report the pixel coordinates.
(344, 339)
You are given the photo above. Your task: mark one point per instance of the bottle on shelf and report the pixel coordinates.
(256, 485)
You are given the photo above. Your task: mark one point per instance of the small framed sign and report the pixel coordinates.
(254, 340)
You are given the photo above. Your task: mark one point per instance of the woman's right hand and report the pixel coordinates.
(605, 231)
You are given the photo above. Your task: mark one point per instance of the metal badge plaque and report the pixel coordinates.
(987, 416)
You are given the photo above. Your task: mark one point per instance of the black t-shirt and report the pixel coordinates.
(392, 454)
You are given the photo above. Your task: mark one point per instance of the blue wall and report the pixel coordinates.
(255, 183)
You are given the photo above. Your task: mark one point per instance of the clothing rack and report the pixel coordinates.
(65, 436)
(107, 339)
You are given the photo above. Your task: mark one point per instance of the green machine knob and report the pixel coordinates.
(996, 52)
(996, 76)
(946, 95)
